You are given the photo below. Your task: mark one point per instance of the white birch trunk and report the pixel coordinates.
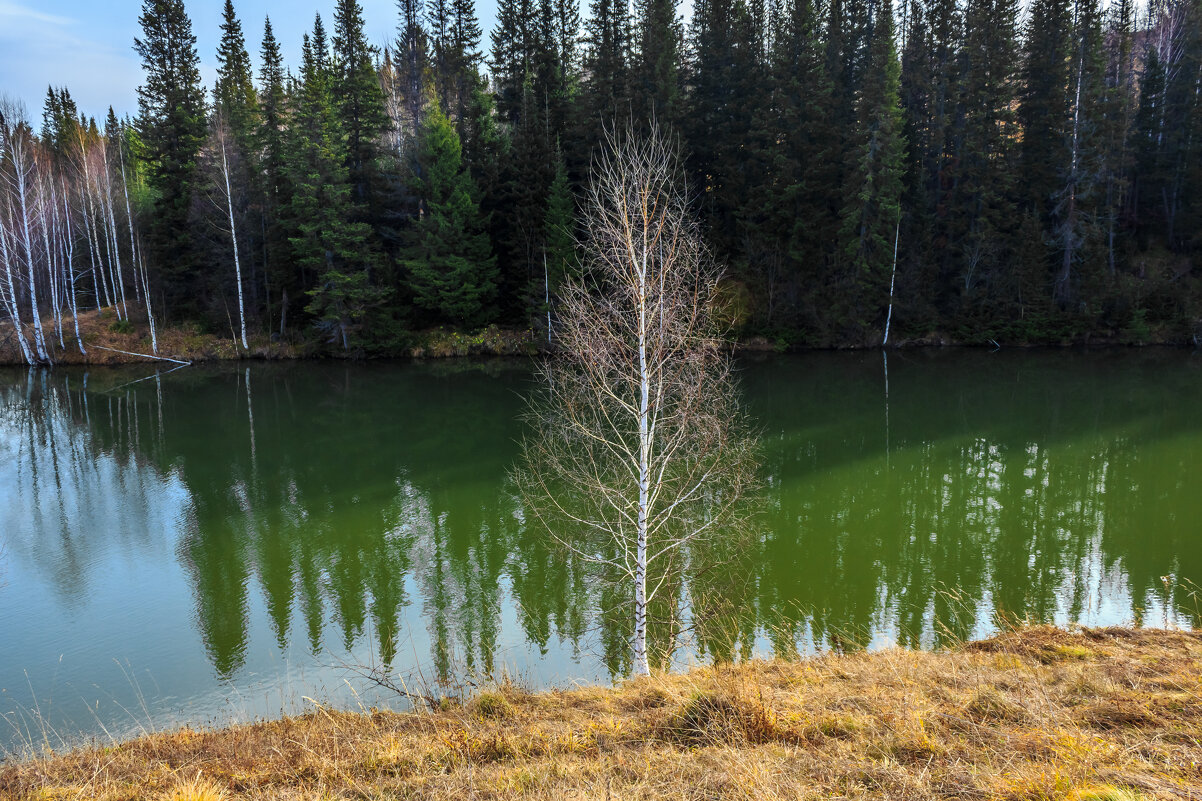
(10, 296)
(69, 244)
(39, 337)
(108, 197)
(641, 665)
(229, 203)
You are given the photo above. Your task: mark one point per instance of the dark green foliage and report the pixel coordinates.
(356, 89)
(1041, 184)
(172, 126)
(451, 269)
(329, 249)
(872, 211)
(234, 95)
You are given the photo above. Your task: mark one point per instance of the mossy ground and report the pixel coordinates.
(1039, 714)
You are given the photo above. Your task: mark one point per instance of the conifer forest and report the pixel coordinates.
(969, 171)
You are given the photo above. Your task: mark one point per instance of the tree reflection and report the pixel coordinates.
(354, 501)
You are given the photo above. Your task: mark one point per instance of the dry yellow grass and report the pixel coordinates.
(1095, 715)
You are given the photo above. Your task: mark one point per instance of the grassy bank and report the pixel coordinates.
(1107, 715)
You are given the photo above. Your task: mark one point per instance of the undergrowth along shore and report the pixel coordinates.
(1038, 713)
(111, 341)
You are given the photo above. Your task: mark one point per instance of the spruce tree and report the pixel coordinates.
(605, 93)
(559, 249)
(1044, 100)
(726, 81)
(172, 127)
(282, 281)
(356, 89)
(411, 63)
(452, 272)
(656, 85)
(981, 211)
(234, 95)
(328, 247)
(872, 209)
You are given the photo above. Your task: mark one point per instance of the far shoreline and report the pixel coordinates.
(110, 342)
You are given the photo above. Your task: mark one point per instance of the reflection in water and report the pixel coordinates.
(277, 516)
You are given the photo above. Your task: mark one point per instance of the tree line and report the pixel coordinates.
(954, 166)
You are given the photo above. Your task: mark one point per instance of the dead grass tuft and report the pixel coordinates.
(1113, 715)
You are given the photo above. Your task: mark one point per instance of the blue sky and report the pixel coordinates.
(87, 45)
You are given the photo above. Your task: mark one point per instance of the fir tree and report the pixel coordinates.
(270, 144)
(656, 89)
(172, 128)
(356, 88)
(234, 95)
(872, 209)
(452, 272)
(327, 245)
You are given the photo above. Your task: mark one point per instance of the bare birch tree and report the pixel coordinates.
(637, 454)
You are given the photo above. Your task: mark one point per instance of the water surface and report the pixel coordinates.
(221, 542)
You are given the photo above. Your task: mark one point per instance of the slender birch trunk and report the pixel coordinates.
(229, 203)
(69, 244)
(22, 176)
(10, 295)
(108, 197)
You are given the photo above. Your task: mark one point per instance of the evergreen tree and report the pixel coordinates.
(656, 84)
(605, 93)
(412, 55)
(234, 95)
(356, 88)
(727, 82)
(452, 272)
(270, 145)
(872, 210)
(559, 249)
(172, 127)
(981, 209)
(1044, 101)
(328, 247)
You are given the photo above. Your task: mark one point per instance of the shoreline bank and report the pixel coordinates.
(1040, 713)
(109, 341)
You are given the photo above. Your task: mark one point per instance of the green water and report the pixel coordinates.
(219, 543)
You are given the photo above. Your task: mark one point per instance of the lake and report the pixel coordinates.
(224, 542)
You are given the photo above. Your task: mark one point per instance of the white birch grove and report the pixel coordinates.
(637, 452)
(52, 209)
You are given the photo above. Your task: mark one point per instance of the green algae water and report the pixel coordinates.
(219, 543)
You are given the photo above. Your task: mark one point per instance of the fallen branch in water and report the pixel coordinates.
(143, 355)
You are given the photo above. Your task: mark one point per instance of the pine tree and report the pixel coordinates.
(452, 272)
(790, 216)
(172, 127)
(872, 210)
(982, 215)
(1146, 138)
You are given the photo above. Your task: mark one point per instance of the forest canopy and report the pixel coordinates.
(982, 170)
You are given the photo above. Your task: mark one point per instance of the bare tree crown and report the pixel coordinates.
(637, 449)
